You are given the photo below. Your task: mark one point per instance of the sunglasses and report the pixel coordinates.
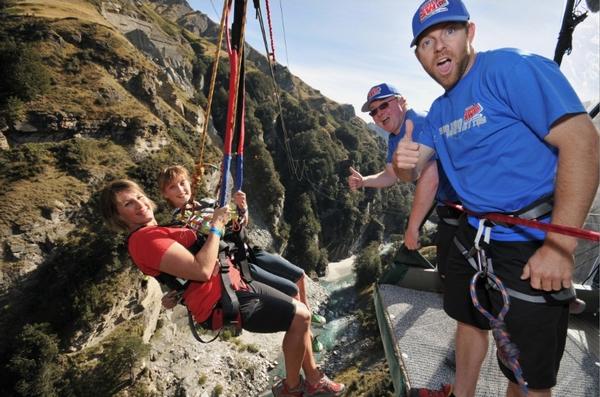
(381, 106)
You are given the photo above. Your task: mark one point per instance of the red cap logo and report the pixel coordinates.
(374, 91)
(432, 7)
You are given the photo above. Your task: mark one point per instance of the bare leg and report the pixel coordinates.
(513, 390)
(309, 365)
(471, 348)
(302, 291)
(295, 345)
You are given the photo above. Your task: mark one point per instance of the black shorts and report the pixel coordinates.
(538, 329)
(265, 309)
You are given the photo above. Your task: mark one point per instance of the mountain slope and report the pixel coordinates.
(96, 90)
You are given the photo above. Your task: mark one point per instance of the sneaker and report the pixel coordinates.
(280, 389)
(318, 320)
(445, 391)
(317, 346)
(325, 387)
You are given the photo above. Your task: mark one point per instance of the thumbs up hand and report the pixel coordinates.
(355, 180)
(406, 155)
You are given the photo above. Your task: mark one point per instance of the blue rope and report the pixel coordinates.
(507, 350)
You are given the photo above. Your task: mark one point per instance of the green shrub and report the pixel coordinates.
(303, 248)
(23, 72)
(367, 266)
(252, 348)
(72, 155)
(186, 140)
(14, 110)
(76, 279)
(23, 162)
(34, 362)
(218, 390)
(114, 369)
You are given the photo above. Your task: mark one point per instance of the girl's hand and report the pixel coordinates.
(239, 198)
(170, 299)
(220, 217)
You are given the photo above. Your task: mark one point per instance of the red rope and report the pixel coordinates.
(547, 227)
(270, 31)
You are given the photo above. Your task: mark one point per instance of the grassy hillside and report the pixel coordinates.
(85, 100)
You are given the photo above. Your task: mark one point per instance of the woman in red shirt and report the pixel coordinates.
(157, 249)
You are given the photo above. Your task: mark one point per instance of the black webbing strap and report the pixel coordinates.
(558, 297)
(197, 336)
(172, 282)
(539, 209)
(240, 252)
(229, 301)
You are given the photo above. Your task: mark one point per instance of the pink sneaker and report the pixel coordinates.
(280, 389)
(445, 391)
(325, 387)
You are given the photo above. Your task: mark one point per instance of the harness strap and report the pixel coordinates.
(172, 282)
(241, 252)
(229, 301)
(448, 215)
(561, 296)
(482, 231)
(539, 209)
(450, 221)
(192, 324)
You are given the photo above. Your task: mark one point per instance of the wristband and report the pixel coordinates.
(216, 231)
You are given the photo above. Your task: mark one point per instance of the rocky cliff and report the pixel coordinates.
(95, 90)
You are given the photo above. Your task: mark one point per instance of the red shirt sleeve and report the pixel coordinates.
(148, 245)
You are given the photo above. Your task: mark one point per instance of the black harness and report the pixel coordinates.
(540, 208)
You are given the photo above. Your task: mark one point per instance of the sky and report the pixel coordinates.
(343, 47)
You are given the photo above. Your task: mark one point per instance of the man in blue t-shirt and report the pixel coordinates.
(390, 112)
(510, 133)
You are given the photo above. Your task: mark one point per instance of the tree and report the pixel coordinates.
(367, 266)
(303, 247)
(34, 362)
(119, 360)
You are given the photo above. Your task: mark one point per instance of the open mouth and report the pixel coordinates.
(444, 65)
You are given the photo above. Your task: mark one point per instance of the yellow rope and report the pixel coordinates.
(199, 168)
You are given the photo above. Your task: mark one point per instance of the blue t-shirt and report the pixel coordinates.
(418, 119)
(488, 132)
(445, 191)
